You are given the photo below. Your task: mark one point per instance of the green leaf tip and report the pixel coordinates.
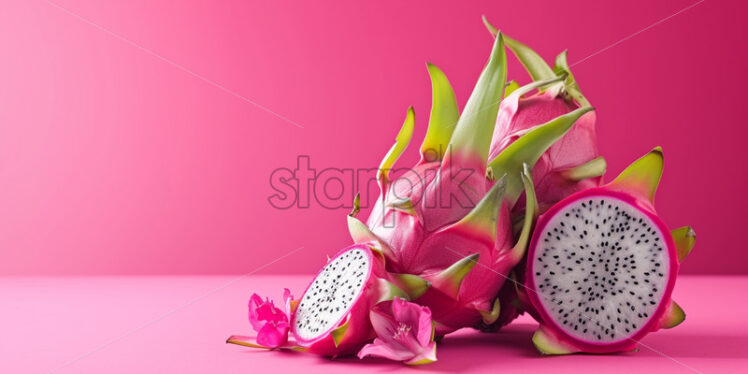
(684, 239)
(539, 69)
(642, 177)
(510, 87)
(674, 316)
(450, 279)
(491, 28)
(560, 67)
(590, 169)
(523, 90)
(404, 205)
(472, 136)
(401, 142)
(339, 333)
(360, 234)
(356, 205)
(389, 290)
(413, 285)
(547, 344)
(531, 213)
(528, 149)
(443, 118)
(482, 219)
(490, 316)
(533, 63)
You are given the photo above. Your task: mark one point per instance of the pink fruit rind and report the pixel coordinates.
(626, 344)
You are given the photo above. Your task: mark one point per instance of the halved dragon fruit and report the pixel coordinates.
(445, 220)
(332, 316)
(602, 265)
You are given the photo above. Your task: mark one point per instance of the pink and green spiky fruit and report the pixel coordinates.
(602, 265)
(444, 220)
(571, 164)
(332, 317)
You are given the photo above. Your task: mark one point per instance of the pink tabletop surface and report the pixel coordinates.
(179, 325)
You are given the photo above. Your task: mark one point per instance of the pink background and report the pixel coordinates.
(115, 161)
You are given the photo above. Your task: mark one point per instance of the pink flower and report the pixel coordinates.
(404, 333)
(271, 323)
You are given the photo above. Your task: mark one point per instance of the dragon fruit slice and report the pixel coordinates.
(602, 265)
(332, 316)
(444, 220)
(573, 163)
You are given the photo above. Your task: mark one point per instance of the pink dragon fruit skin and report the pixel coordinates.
(635, 187)
(578, 147)
(462, 247)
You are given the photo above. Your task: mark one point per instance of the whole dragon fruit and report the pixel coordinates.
(573, 163)
(602, 265)
(444, 220)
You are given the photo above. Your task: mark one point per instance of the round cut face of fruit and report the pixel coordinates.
(600, 269)
(332, 293)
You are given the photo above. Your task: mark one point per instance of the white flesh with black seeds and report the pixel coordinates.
(331, 294)
(601, 269)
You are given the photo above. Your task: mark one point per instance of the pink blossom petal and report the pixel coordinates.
(381, 349)
(403, 331)
(273, 336)
(287, 298)
(416, 317)
(425, 328)
(270, 322)
(254, 302)
(384, 325)
(268, 312)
